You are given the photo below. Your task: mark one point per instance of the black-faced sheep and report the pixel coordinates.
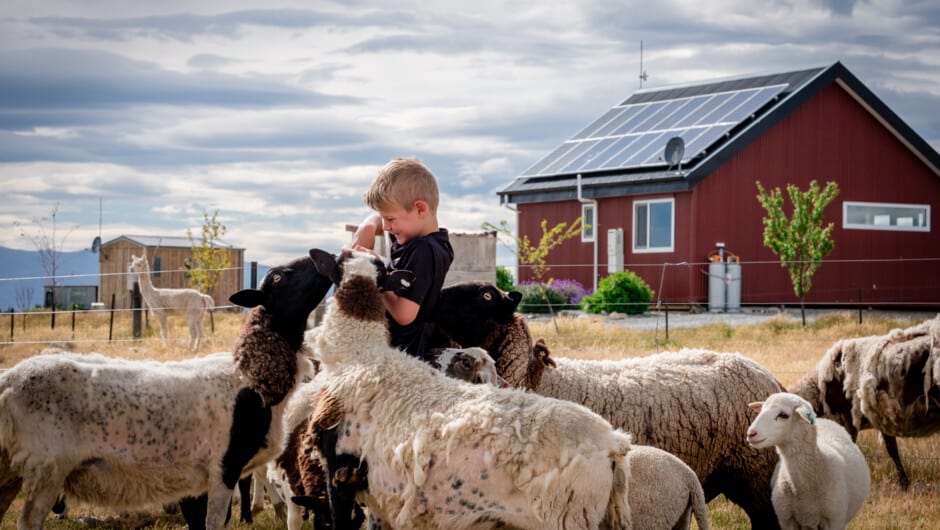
(822, 479)
(890, 383)
(691, 403)
(446, 454)
(121, 434)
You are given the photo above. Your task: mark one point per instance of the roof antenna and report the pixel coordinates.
(643, 76)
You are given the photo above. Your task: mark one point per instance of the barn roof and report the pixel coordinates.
(160, 241)
(624, 151)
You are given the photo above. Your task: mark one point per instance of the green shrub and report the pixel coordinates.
(540, 298)
(504, 279)
(622, 292)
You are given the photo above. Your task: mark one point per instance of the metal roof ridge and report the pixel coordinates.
(726, 79)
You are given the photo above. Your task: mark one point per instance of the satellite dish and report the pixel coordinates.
(675, 149)
(96, 244)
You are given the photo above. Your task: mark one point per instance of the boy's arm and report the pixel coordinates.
(403, 310)
(368, 230)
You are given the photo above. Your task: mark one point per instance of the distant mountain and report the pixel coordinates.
(21, 274)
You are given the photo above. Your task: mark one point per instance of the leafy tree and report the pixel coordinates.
(209, 259)
(504, 279)
(536, 256)
(49, 245)
(802, 240)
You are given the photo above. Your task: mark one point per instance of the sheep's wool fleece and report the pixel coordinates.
(876, 372)
(267, 362)
(437, 447)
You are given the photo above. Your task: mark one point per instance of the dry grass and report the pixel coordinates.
(780, 344)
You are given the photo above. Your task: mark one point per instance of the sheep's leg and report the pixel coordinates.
(244, 505)
(219, 505)
(891, 445)
(37, 506)
(164, 330)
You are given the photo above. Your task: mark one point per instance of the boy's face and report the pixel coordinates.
(404, 224)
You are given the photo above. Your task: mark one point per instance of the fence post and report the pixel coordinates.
(136, 306)
(73, 323)
(859, 305)
(667, 322)
(12, 317)
(111, 324)
(254, 274)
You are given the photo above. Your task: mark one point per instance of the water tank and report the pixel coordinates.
(614, 250)
(716, 287)
(733, 284)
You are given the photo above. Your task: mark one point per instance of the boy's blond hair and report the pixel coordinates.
(400, 183)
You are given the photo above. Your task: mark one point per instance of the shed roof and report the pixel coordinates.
(623, 152)
(161, 241)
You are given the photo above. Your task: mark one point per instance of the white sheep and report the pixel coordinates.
(457, 455)
(664, 491)
(822, 479)
(890, 383)
(691, 403)
(121, 434)
(193, 304)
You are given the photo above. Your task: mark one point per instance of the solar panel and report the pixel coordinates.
(635, 135)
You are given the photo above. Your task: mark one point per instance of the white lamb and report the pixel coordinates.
(124, 434)
(821, 480)
(193, 304)
(664, 491)
(458, 455)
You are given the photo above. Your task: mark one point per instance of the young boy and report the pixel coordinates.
(405, 197)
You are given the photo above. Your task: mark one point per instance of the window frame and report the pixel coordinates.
(588, 233)
(846, 225)
(672, 226)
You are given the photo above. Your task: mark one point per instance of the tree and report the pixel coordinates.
(802, 240)
(49, 247)
(536, 256)
(209, 259)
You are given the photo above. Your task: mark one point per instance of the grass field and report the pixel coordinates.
(780, 344)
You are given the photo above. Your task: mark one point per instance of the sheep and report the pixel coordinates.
(117, 433)
(664, 491)
(821, 480)
(890, 383)
(688, 403)
(443, 453)
(297, 473)
(193, 304)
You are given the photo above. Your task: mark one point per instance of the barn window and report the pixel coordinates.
(157, 267)
(653, 225)
(886, 216)
(587, 223)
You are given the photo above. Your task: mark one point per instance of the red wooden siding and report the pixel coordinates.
(829, 138)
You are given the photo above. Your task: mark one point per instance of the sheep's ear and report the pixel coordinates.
(806, 412)
(515, 296)
(756, 406)
(326, 265)
(397, 279)
(247, 298)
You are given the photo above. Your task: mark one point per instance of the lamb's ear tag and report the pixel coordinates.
(811, 418)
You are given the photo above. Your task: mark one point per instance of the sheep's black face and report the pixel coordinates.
(475, 302)
(294, 289)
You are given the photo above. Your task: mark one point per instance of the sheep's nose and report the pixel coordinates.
(751, 433)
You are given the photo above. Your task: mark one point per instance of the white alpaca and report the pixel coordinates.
(190, 302)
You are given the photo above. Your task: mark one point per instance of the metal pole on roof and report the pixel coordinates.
(643, 75)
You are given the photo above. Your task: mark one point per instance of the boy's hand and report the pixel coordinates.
(360, 248)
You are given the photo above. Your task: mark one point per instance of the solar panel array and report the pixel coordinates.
(635, 135)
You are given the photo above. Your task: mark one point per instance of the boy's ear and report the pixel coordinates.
(421, 207)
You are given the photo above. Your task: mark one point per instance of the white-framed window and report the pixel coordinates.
(588, 222)
(886, 216)
(654, 226)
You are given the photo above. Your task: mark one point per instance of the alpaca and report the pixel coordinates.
(191, 302)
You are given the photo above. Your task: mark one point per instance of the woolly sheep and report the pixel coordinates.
(121, 434)
(297, 473)
(457, 455)
(890, 383)
(822, 479)
(664, 491)
(690, 403)
(193, 304)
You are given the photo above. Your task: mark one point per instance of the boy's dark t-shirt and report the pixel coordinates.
(429, 258)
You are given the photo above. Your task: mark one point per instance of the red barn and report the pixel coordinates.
(674, 204)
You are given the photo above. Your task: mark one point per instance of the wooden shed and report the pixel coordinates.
(167, 257)
(662, 213)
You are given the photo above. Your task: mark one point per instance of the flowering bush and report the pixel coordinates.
(623, 292)
(540, 298)
(572, 290)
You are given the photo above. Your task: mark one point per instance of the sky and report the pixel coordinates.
(278, 114)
